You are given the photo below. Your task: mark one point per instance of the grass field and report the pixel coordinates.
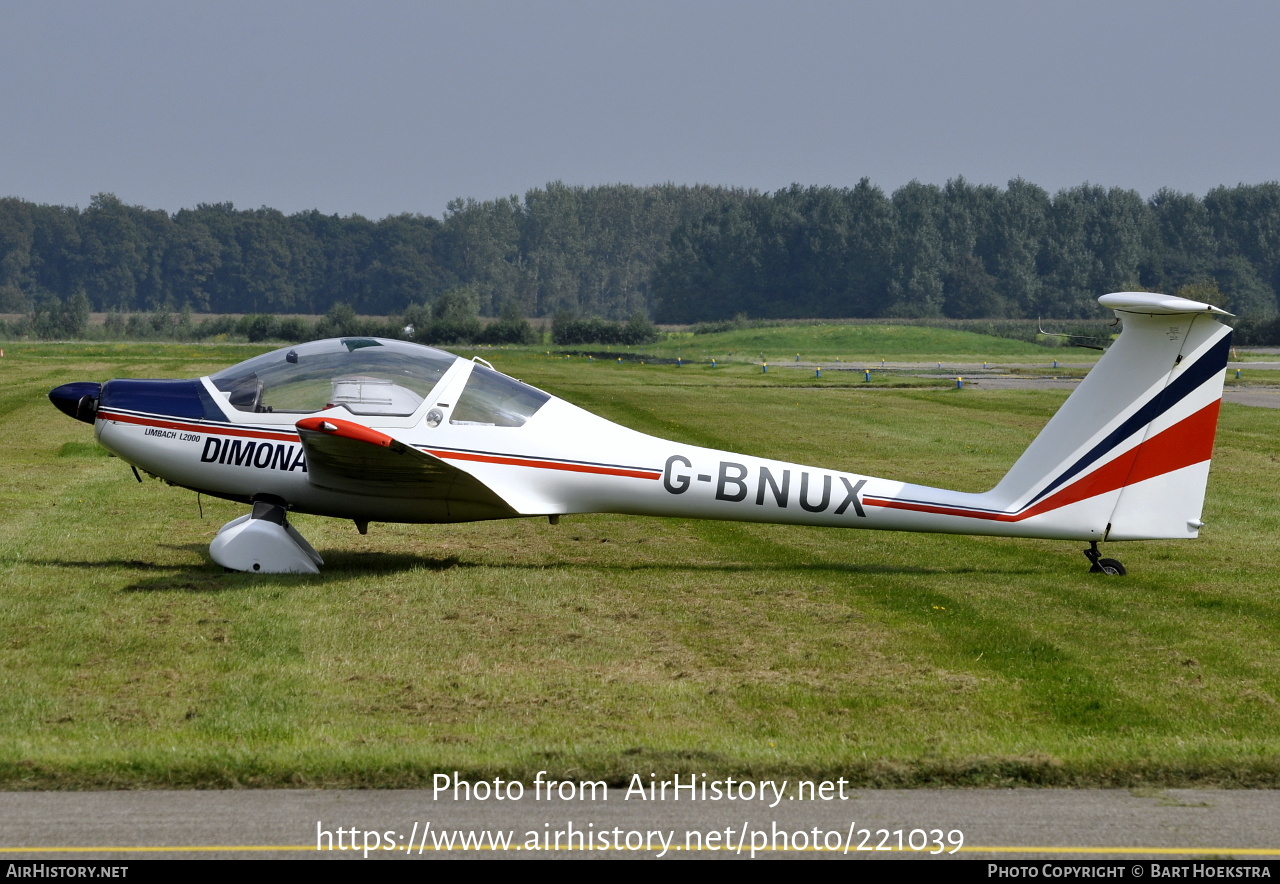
(610, 645)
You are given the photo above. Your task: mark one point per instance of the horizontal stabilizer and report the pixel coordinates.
(1154, 304)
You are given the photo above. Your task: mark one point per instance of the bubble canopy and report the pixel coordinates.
(371, 376)
(367, 375)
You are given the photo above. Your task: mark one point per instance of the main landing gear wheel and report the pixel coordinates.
(1099, 565)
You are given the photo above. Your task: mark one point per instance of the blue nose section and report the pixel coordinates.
(176, 398)
(79, 400)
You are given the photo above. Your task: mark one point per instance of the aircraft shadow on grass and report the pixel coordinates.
(209, 577)
(341, 566)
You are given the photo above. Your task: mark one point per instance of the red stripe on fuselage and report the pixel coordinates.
(447, 455)
(209, 429)
(1188, 442)
(545, 464)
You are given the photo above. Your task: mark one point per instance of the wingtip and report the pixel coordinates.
(344, 429)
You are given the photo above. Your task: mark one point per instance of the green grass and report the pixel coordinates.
(1253, 377)
(608, 645)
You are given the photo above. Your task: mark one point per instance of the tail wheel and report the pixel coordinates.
(1099, 565)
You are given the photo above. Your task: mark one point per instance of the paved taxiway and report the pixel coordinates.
(995, 376)
(1006, 824)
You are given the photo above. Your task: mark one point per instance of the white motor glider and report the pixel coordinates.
(379, 430)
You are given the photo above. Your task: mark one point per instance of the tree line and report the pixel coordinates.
(968, 251)
(675, 254)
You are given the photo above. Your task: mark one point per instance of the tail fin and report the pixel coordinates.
(1136, 436)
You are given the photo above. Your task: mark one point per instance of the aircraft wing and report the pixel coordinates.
(354, 459)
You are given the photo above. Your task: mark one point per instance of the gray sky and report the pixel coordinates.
(378, 108)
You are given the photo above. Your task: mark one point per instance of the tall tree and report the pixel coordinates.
(915, 286)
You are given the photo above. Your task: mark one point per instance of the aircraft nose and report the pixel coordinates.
(79, 400)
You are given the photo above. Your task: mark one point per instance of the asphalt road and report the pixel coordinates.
(993, 376)
(990, 824)
(1261, 397)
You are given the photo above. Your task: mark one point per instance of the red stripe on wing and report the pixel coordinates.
(346, 430)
